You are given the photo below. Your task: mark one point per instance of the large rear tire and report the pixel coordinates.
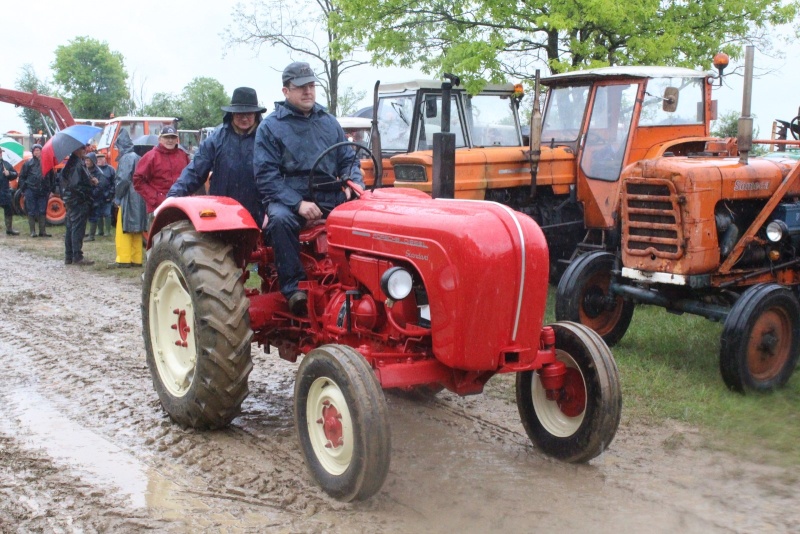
(760, 340)
(196, 327)
(19, 203)
(582, 422)
(583, 297)
(342, 422)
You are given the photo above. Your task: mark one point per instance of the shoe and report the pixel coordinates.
(116, 265)
(89, 238)
(45, 235)
(82, 262)
(67, 261)
(298, 303)
(12, 232)
(34, 234)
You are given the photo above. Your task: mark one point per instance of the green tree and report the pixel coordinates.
(492, 40)
(91, 78)
(349, 101)
(29, 82)
(162, 105)
(200, 103)
(727, 125)
(301, 27)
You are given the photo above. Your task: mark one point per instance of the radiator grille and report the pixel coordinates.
(652, 220)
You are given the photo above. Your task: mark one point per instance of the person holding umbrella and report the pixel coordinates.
(8, 174)
(36, 187)
(77, 185)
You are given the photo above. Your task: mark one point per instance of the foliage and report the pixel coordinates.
(349, 101)
(198, 105)
(492, 40)
(303, 29)
(29, 82)
(91, 78)
(727, 125)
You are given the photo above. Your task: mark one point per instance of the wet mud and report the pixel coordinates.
(86, 447)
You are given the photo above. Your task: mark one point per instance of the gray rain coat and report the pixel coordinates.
(134, 210)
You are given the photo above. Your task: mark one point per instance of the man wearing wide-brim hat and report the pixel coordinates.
(228, 155)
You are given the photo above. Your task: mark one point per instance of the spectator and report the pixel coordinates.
(288, 143)
(6, 201)
(104, 214)
(36, 188)
(77, 185)
(132, 213)
(90, 160)
(228, 155)
(159, 169)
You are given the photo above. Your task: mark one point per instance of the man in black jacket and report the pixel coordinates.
(37, 189)
(77, 186)
(8, 173)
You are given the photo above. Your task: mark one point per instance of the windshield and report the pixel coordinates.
(431, 121)
(107, 135)
(566, 107)
(494, 121)
(394, 122)
(689, 109)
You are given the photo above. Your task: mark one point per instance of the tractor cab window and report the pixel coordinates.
(135, 129)
(395, 115)
(670, 101)
(609, 128)
(107, 136)
(430, 121)
(493, 121)
(566, 107)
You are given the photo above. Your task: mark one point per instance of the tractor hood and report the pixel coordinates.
(484, 266)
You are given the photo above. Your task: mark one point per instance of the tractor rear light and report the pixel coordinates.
(776, 231)
(397, 283)
(207, 214)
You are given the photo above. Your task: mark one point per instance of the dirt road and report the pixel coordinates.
(86, 447)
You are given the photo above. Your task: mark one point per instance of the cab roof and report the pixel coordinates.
(602, 73)
(415, 85)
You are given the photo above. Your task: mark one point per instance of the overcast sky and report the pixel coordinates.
(167, 44)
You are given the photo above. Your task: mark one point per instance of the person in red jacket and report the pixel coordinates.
(159, 169)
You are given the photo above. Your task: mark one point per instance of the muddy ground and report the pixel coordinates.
(86, 447)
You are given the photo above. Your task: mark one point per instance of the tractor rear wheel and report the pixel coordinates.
(583, 297)
(582, 422)
(56, 211)
(342, 422)
(196, 327)
(760, 340)
(19, 203)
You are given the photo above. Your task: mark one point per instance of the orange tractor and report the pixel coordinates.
(700, 228)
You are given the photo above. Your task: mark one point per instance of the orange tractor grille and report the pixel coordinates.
(651, 219)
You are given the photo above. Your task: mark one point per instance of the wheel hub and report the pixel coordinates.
(572, 401)
(331, 422)
(594, 302)
(181, 326)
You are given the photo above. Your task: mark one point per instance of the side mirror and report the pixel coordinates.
(431, 108)
(670, 100)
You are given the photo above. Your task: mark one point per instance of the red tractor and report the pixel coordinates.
(404, 291)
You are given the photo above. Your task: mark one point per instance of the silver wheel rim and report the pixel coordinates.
(171, 329)
(327, 416)
(548, 412)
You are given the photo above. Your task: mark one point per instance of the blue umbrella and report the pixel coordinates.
(64, 143)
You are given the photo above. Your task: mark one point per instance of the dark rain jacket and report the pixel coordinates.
(76, 184)
(156, 172)
(287, 145)
(111, 177)
(229, 156)
(30, 177)
(134, 210)
(101, 189)
(5, 190)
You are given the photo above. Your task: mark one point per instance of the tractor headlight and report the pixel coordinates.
(776, 231)
(397, 283)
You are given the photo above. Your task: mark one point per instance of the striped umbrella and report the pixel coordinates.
(12, 151)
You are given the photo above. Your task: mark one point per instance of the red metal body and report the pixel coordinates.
(49, 106)
(480, 272)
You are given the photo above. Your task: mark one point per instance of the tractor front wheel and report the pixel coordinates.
(342, 422)
(56, 211)
(583, 297)
(196, 327)
(582, 420)
(760, 340)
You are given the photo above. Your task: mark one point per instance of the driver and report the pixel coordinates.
(288, 142)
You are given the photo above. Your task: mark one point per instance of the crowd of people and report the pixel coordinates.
(264, 164)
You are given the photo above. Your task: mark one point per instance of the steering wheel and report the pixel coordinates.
(339, 179)
(794, 127)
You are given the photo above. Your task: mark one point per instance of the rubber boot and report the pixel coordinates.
(43, 226)
(100, 227)
(32, 225)
(109, 229)
(92, 231)
(9, 222)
